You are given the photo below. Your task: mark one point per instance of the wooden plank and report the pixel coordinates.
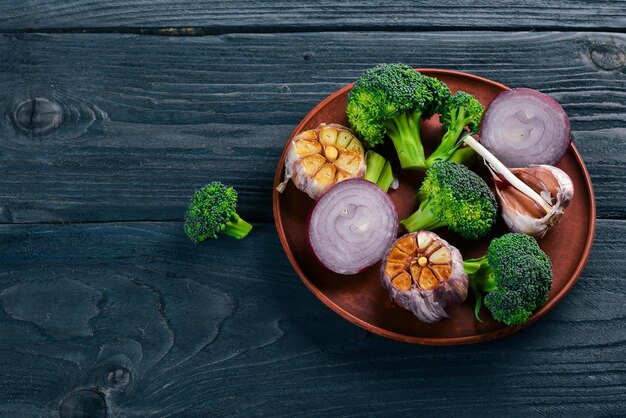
(124, 127)
(322, 15)
(161, 326)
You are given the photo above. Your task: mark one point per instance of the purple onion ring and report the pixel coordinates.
(523, 127)
(352, 225)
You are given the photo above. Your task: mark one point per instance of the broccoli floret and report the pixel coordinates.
(441, 95)
(213, 209)
(391, 99)
(459, 111)
(451, 195)
(516, 275)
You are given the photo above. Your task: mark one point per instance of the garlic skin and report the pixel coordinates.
(424, 274)
(521, 213)
(321, 157)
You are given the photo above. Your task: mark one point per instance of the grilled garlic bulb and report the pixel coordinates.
(321, 157)
(424, 274)
(521, 213)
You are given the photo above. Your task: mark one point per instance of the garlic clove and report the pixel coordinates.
(328, 135)
(331, 153)
(308, 135)
(312, 164)
(442, 272)
(402, 282)
(416, 270)
(424, 240)
(441, 256)
(355, 146)
(392, 269)
(306, 147)
(344, 138)
(427, 279)
(348, 161)
(396, 255)
(407, 244)
(521, 213)
(326, 174)
(341, 176)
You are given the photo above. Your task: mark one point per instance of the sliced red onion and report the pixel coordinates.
(352, 225)
(523, 127)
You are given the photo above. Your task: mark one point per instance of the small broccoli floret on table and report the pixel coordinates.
(516, 275)
(391, 100)
(461, 110)
(452, 195)
(213, 210)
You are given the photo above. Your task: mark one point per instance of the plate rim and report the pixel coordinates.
(470, 339)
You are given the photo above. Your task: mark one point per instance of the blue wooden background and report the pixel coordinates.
(113, 113)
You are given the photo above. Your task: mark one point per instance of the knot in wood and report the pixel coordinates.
(38, 116)
(607, 57)
(118, 377)
(83, 403)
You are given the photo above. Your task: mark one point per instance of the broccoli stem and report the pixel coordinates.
(422, 219)
(449, 139)
(386, 177)
(404, 131)
(480, 274)
(374, 166)
(465, 156)
(378, 170)
(237, 227)
(448, 142)
(481, 279)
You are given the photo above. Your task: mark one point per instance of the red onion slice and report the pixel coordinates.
(523, 127)
(352, 225)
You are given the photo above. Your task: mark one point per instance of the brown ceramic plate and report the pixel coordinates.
(361, 298)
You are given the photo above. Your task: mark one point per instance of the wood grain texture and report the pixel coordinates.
(254, 15)
(134, 314)
(107, 309)
(112, 127)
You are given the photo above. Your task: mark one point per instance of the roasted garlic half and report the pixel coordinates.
(321, 157)
(424, 274)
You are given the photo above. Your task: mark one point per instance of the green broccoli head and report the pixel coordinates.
(460, 110)
(441, 95)
(523, 274)
(390, 99)
(382, 93)
(508, 307)
(452, 195)
(213, 209)
(515, 273)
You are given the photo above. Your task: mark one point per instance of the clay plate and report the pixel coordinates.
(361, 298)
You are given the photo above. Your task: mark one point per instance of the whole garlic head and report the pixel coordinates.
(424, 274)
(521, 213)
(320, 157)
